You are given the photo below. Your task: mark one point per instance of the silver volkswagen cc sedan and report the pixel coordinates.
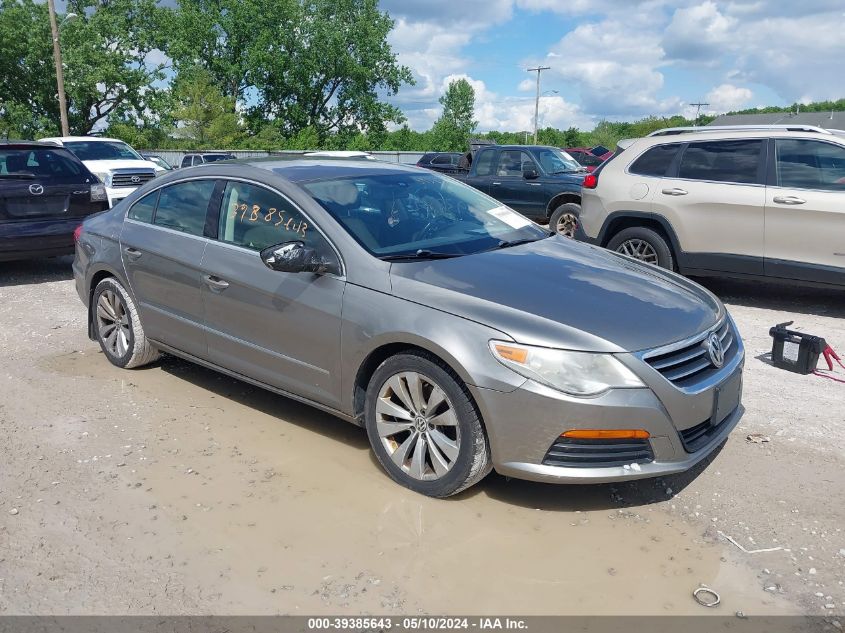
(462, 336)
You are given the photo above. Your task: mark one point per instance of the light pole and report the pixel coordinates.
(537, 70)
(57, 56)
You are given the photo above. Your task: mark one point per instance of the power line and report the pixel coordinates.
(537, 70)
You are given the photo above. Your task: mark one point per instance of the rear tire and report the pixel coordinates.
(644, 244)
(564, 219)
(118, 328)
(423, 426)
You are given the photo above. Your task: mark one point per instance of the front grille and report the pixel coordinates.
(580, 453)
(131, 178)
(686, 365)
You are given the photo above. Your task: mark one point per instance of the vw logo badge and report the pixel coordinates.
(36, 190)
(715, 351)
(136, 179)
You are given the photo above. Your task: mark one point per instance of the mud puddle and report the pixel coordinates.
(230, 499)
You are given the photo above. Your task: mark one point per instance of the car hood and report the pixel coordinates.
(561, 293)
(110, 165)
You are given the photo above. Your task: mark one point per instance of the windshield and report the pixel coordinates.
(102, 150)
(211, 158)
(56, 166)
(420, 215)
(555, 161)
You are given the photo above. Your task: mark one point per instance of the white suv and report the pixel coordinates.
(120, 167)
(732, 201)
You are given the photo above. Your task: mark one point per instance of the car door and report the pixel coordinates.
(511, 187)
(714, 199)
(482, 173)
(162, 244)
(805, 211)
(282, 329)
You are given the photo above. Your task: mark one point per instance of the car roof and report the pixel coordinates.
(12, 144)
(713, 134)
(71, 139)
(307, 169)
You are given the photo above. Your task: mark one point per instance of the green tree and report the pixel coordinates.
(203, 117)
(452, 130)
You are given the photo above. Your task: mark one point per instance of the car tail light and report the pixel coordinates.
(591, 181)
(77, 233)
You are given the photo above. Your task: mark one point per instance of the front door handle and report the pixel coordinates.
(495, 183)
(132, 253)
(215, 283)
(789, 200)
(675, 191)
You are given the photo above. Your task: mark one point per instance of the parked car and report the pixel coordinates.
(45, 193)
(157, 160)
(589, 157)
(461, 336)
(750, 202)
(119, 167)
(189, 160)
(443, 162)
(542, 183)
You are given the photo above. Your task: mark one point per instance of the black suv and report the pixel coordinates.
(45, 193)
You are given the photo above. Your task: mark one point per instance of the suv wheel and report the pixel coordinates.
(643, 244)
(118, 328)
(564, 219)
(423, 427)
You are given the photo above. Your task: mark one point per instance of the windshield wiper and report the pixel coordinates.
(422, 253)
(21, 175)
(524, 240)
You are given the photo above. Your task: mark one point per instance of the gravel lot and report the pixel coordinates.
(174, 490)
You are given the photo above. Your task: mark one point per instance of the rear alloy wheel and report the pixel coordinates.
(564, 219)
(423, 427)
(118, 328)
(643, 244)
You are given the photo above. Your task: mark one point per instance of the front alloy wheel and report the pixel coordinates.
(417, 426)
(424, 427)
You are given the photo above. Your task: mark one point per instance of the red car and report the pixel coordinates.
(588, 157)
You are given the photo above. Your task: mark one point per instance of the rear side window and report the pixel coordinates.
(55, 166)
(722, 161)
(443, 159)
(144, 209)
(186, 161)
(255, 217)
(484, 162)
(656, 161)
(804, 164)
(184, 206)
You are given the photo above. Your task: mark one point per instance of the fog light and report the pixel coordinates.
(606, 434)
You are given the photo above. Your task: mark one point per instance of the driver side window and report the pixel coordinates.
(255, 218)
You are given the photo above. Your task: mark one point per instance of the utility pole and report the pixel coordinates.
(60, 79)
(537, 70)
(698, 107)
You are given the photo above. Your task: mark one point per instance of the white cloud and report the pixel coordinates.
(698, 33)
(727, 97)
(526, 85)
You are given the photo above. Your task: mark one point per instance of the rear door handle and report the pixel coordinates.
(789, 200)
(675, 191)
(132, 253)
(215, 283)
(495, 183)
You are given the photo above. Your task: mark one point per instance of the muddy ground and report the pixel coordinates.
(175, 490)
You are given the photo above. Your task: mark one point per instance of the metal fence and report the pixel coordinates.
(174, 157)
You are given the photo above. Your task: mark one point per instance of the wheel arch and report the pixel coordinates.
(383, 350)
(562, 198)
(94, 278)
(622, 220)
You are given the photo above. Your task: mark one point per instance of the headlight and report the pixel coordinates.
(104, 177)
(574, 373)
(98, 192)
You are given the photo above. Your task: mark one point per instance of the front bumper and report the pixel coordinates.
(522, 426)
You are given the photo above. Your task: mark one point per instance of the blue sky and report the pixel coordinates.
(616, 59)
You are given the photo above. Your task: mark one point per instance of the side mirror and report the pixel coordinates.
(295, 257)
(530, 174)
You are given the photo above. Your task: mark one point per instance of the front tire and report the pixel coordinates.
(118, 328)
(423, 426)
(643, 244)
(564, 219)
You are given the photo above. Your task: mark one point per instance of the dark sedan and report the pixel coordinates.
(443, 162)
(45, 193)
